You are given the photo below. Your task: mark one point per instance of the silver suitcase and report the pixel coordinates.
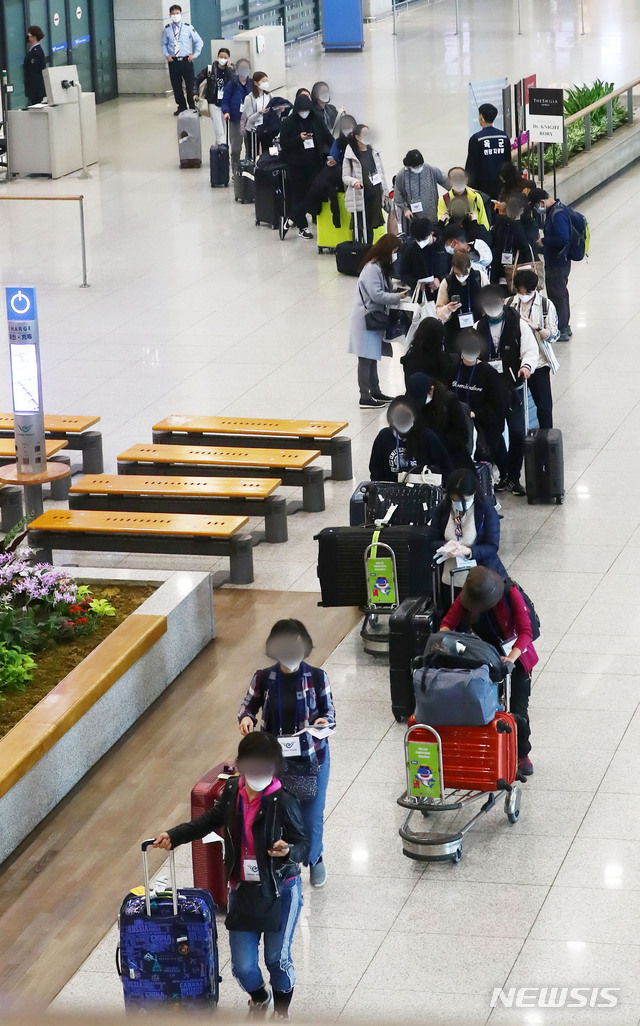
(189, 142)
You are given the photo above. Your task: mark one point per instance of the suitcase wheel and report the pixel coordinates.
(559, 500)
(512, 805)
(457, 855)
(257, 223)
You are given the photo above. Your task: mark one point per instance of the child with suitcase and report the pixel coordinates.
(265, 841)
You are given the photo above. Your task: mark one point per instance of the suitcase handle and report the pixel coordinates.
(118, 961)
(145, 873)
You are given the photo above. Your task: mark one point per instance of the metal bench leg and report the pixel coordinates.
(92, 457)
(275, 520)
(341, 464)
(241, 559)
(60, 487)
(313, 490)
(11, 511)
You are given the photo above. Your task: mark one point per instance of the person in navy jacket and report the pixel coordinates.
(557, 237)
(34, 64)
(466, 525)
(488, 150)
(233, 97)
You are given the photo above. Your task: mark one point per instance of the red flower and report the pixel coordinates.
(82, 619)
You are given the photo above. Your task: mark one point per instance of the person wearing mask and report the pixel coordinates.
(538, 210)
(254, 111)
(473, 201)
(487, 151)
(479, 386)
(322, 106)
(235, 93)
(511, 184)
(294, 696)
(304, 138)
(343, 129)
(461, 227)
(512, 350)
(417, 259)
(442, 413)
(426, 354)
(264, 843)
(181, 45)
(458, 304)
(514, 238)
(453, 239)
(406, 446)
(34, 64)
(416, 189)
(496, 611)
(366, 189)
(465, 525)
(217, 75)
(557, 237)
(539, 314)
(374, 293)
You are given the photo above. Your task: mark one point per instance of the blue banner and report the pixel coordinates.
(59, 46)
(80, 40)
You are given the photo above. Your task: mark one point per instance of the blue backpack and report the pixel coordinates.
(580, 235)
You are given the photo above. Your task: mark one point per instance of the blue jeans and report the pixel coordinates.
(245, 945)
(313, 811)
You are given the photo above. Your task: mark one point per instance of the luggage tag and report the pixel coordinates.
(465, 320)
(497, 365)
(251, 870)
(506, 258)
(416, 208)
(290, 745)
(375, 179)
(308, 144)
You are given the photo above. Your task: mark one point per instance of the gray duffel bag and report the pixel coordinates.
(455, 697)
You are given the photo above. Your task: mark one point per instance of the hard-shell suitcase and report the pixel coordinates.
(168, 950)
(410, 626)
(219, 164)
(543, 463)
(484, 472)
(271, 192)
(349, 255)
(414, 503)
(341, 569)
(189, 141)
(244, 189)
(478, 758)
(208, 859)
(328, 236)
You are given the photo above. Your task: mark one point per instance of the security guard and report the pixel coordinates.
(181, 44)
(489, 149)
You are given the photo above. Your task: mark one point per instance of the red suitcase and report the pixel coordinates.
(208, 859)
(477, 758)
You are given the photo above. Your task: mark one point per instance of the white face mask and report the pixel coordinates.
(222, 61)
(394, 257)
(425, 242)
(365, 138)
(493, 311)
(176, 18)
(264, 85)
(470, 354)
(258, 783)
(449, 249)
(324, 96)
(462, 277)
(304, 113)
(526, 297)
(417, 170)
(458, 184)
(403, 425)
(459, 506)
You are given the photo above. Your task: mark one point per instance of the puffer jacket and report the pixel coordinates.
(352, 173)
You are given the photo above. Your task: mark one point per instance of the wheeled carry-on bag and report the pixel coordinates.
(208, 859)
(189, 141)
(480, 758)
(244, 187)
(341, 552)
(414, 503)
(219, 164)
(410, 626)
(543, 462)
(328, 236)
(349, 255)
(168, 950)
(271, 174)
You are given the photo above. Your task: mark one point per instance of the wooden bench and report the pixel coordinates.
(178, 534)
(212, 495)
(59, 489)
(292, 466)
(74, 430)
(301, 434)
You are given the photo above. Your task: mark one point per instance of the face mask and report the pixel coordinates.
(324, 96)
(458, 184)
(470, 354)
(264, 85)
(365, 138)
(457, 505)
(222, 61)
(258, 783)
(243, 72)
(304, 113)
(425, 242)
(462, 277)
(526, 297)
(449, 249)
(417, 170)
(403, 426)
(541, 208)
(292, 664)
(176, 18)
(493, 312)
(346, 131)
(394, 257)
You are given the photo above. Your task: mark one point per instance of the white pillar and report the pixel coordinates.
(138, 28)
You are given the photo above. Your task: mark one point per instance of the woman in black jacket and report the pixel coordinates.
(442, 413)
(514, 238)
(417, 259)
(426, 353)
(406, 445)
(321, 100)
(304, 140)
(217, 75)
(264, 842)
(34, 64)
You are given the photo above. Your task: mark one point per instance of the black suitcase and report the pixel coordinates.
(415, 502)
(341, 569)
(544, 466)
(219, 164)
(484, 472)
(349, 255)
(410, 627)
(244, 189)
(270, 192)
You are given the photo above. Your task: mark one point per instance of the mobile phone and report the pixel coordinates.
(454, 299)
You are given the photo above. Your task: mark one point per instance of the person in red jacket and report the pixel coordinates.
(497, 612)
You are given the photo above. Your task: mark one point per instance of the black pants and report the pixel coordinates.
(368, 378)
(300, 179)
(520, 692)
(510, 462)
(558, 291)
(540, 388)
(181, 70)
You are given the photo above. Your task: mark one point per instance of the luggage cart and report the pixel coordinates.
(381, 578)
(426, 793)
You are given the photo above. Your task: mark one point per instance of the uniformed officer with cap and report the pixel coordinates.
(181, 44)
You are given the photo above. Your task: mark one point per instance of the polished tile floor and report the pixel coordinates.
(194, 310)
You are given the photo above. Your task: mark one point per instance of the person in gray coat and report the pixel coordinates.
(373, 295)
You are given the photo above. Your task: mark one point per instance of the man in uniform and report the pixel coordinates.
(181, 44)
(489, 149)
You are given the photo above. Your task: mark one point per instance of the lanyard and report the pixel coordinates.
(245, 843)
(279, 683)
(457, 525)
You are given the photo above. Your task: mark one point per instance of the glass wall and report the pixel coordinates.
(76, 32)
(223, 18)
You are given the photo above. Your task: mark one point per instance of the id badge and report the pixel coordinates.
(220, 93)
(497, 365)
(416, 208)
(258, 121)
(308, 144)
(465, 320)
(375, 179)
(507, 258)
(251, 870)
(508, 645)
(290, 746)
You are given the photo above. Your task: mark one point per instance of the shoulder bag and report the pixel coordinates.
(251, 911)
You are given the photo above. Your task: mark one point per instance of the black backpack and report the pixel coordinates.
(531, 609)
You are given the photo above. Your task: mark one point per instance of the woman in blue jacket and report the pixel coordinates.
(235, 93)
(465, 525)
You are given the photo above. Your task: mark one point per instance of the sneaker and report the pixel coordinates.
(282, 1016)
(286, 226)
(564, 336)
(384, 398)
(568, 330)
(260, 1009)
(501, 485)
(525, 766)
(372, 404)
(317, 874)
(304, 233)
(515, 488)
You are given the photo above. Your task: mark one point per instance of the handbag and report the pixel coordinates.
(400, 321)
(250, 910)
(529, 265)
(300, 777)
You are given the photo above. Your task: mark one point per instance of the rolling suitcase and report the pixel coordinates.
(208, 859)
(189, 142)
(270, 202)
(244, 189)
(543, 462)
(484, 472)
(414, 503)
(349, 255)
(328, 236)
(410, 627)
(219, 164)
(480, 758)
(341, 569)
(168, 950)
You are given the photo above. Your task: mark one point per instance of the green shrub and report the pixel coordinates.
(16, 669)
(576, 99)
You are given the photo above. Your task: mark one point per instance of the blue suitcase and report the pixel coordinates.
(168, 950)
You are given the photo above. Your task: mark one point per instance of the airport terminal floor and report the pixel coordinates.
(192, 309)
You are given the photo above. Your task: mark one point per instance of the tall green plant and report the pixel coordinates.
(576, 99)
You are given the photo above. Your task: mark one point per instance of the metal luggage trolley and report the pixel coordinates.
(381, 576)
(426, 793)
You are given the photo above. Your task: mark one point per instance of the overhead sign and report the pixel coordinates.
(488, 90)
(26, 385)
(546, 115)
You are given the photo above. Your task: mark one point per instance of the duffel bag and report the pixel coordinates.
(455, 697)
(455, 649)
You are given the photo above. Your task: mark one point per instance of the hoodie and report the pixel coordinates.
(296, 150)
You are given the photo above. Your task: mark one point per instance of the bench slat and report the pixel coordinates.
(211, 487)
(209, 455)
(252, 426)
(99, 522)
(8, 448)
(56, 422)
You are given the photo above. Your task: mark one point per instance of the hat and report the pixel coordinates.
(302, 102)
(482, 590)
(418, 387)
